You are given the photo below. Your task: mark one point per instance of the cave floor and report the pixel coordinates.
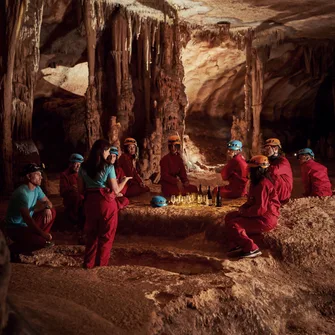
(169, 274)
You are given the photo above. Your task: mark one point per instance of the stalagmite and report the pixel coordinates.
(14, 16)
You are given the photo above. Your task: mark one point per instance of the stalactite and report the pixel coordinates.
(92, 116)
(25, 71)
(241, 126)
(259, 59)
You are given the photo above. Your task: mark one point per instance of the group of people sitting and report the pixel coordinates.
(95, 190)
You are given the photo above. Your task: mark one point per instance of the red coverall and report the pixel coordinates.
(135, 185)
(281, 173)
(259, 214)
(315, 179)
(236, 173)
(122, 202)
(172, 167)
(27, 240)
(101, 214)
(72, 200)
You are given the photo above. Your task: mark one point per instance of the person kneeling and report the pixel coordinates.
(259, 214)
(174, 179)
(235, 172)
(29, 230)
(68, 186)
(314, 175)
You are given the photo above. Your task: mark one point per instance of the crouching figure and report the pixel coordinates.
(259, 214)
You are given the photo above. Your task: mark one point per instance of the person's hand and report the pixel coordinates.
(125, 179)
(180, 186)
(187, 184)
(119, 195)
(47, 216)
(47, 236)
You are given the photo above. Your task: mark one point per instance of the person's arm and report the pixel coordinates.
(81, 185)
(260, 202)
(115, 186)
(165, 173)
(32, 225)
(64, 184)
(227, 170)
(182, 173)
(47, 209)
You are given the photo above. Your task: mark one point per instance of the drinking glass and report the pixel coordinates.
(173, 199)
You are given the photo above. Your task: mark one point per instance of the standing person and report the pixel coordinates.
(128, 161)
(174, 179)
(97, 180)
(314, 175)
(280, 169)
(68, 186)
(121, 200)
(235, 172)
(29, 229)
(259, 214)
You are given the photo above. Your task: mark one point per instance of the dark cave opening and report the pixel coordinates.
(59, 130)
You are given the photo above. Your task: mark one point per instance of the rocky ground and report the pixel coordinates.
(169, 274)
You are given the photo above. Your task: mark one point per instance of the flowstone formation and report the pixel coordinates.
(185, 284)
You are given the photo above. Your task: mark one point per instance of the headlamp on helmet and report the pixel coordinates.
(32, 167)
(259, 161)
(234, 145)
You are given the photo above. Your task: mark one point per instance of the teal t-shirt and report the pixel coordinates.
(22, 197)
(101, 180)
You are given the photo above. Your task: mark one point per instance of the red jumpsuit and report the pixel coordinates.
(172, 168)
(236, 173)
(135, 186)
(281, 173)
(122, 202)
(101, 214)
(72, 200)
(27, 240)
(315, 179)
(259, 214)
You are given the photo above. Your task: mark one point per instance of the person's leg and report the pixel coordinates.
(135, 189)
(238, 229)
(107, 230)
(24, 240)
(39, 220)
(169, 189)
(91, 229)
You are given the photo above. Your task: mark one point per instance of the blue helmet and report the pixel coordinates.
(114, 150)
(234, 145)
(76, 158)
(305, 151)
(158, 201)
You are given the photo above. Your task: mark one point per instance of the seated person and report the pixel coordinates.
(68, 185)
(259, 214)
(128, 161)
(280, 169)
(173, 173)
(29, 230)
(235, 172)
(314, 175)
(121, 200)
